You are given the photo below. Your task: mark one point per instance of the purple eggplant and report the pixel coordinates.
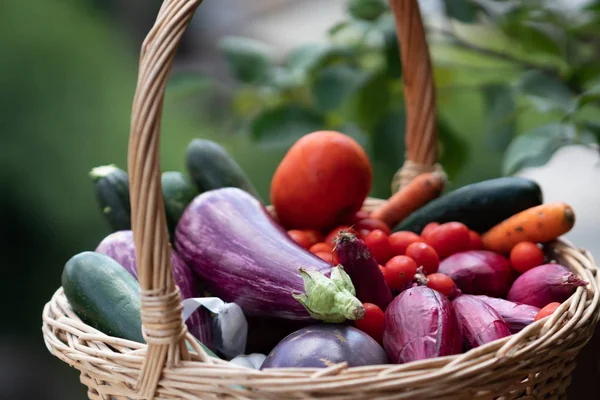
(419, 324)
(363, 269)
(323, 345)
(544, 284)
(121, 248)
(479, 322)
(242, 255)
(479, 272)
(516, 315)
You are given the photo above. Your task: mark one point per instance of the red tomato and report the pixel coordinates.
(449, 238)
(399, 241)
(425, 256)
(372, 224)
(332, 235)
(360, 215)
(526, 255)
(314, 236)
(363, 233)
(441, 282)
(546, 311)
(399, 271)
(372, 322)
(300, 237)
(321, 247)
(428, 228)
(475, 242)
(327, 256)
(377, 241)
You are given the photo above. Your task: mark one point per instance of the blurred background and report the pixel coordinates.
(517, 86)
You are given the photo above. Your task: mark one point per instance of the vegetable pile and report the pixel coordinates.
(319, 279)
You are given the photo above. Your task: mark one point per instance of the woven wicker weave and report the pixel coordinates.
(536, 363)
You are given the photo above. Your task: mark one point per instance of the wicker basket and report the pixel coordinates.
(536, 363)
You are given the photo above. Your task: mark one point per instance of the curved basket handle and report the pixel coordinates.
(162, 320)
(419, 93)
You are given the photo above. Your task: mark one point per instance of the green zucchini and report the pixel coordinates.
(480, 205)
(112, 194)
(105, 296)
(211, 167)
(178, 193)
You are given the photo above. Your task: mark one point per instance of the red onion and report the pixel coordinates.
(544, 284)
(420, 323)
(479, 272)
(363, 269)
(480, 323)
(516, 315)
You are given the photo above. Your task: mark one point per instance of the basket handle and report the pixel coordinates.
(161, 310)
(162, 322)
(419, 93)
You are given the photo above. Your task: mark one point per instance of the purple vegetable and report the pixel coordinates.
(120, 247)
(363, 269)
(544, 284)
(517, 316)
(419, 324)
(479, 322)
(323, 345)
(479, 272)
(229, 239)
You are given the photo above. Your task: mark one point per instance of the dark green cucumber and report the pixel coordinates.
(112, 193)
(178, 192)
(480, 205)
(105, 296)
(211, 167)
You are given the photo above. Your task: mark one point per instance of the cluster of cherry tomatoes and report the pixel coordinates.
(401, 254)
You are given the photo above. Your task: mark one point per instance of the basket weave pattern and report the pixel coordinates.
(536, 363)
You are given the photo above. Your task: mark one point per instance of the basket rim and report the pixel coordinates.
(578, 312)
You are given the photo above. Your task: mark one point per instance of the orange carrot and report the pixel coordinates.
(539, 224)
(420, 191)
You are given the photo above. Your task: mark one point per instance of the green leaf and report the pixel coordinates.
(249, 60)
(283, 125)
(589, 96)
(333, 85)
(547, 92)
(536, 37)
(387, 150)
(591, 130)
(537, 147)
(368, 10)
(308, 58)
(353, 130)
(461, 10)
(183, 85)
(391, 47)
(500, 121)
(370, 102)
(497, 9)
(453, 149)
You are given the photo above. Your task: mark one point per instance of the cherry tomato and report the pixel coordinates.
(428, 228)
(300, 237)
(334, 232)
(475, 242)
(442, 283)
(327, 256)
(425, 256)
(526, 255)
(399, 271)
(372, 322)
(377, 241)
(360, 215)
(449, 238)
(399, 241)
(546, 311)
(314, 236)
(363, 233)
(321, 247)
(372, 224)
